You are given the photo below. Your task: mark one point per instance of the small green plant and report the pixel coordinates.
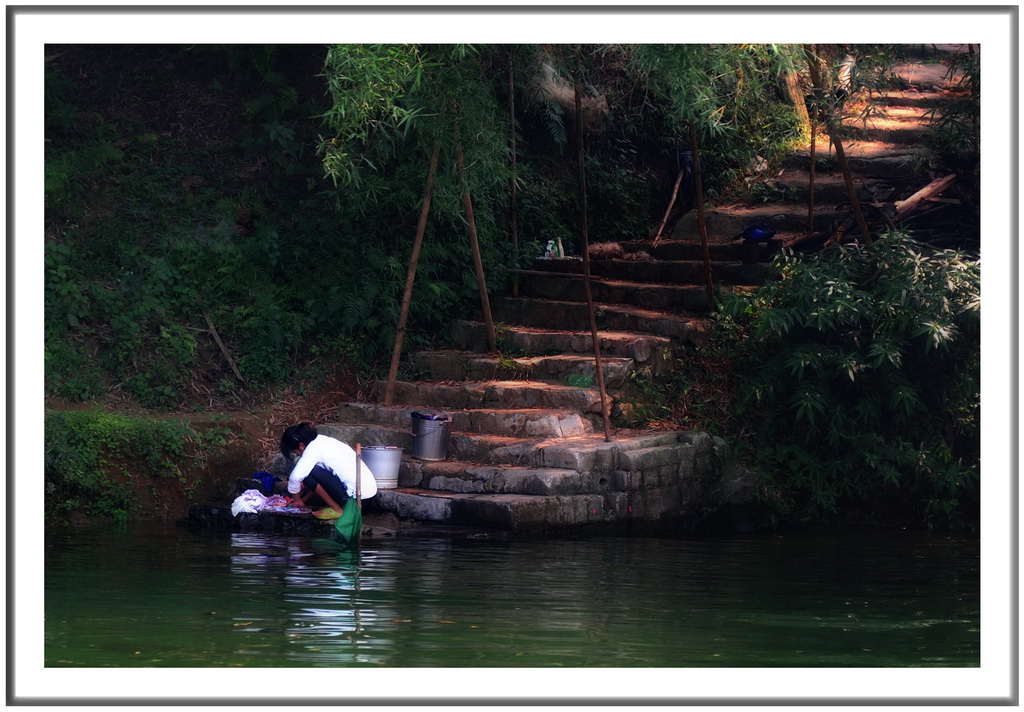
(580, 380)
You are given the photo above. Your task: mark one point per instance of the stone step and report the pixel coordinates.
(646, 250)
(620, 465)
(512, 422)
(496, 394)
(642, 348)
(647, 352)
(474, 478)
(742, 254)
(561, 314)
(590, 453)
(728, 221)
(685, 271)
(485, 448)
(910, 98)
(509, 512)
(443, 365)
(638, 477)
(665, 297)
(793, 187)
(898, 130)
(926, 77)
(865, 158)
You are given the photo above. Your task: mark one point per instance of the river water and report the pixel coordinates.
(166, 597)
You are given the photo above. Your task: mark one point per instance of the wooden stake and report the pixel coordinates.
(513, 214)
(410, 278)
(699, 197)
(223, 348)
(585, 239)
(359, 488)
(399, 334)
(474, 243)
(671, 202)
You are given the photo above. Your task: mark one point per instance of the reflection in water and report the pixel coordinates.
(212, 599)
(319, 586)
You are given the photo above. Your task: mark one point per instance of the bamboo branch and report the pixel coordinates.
(396, 353)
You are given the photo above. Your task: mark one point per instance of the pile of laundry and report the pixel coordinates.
(252, 501)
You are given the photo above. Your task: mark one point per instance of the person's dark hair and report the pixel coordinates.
(295, 435)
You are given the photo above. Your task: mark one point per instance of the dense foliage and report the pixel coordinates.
(858, 373)
(267, 196)
(94, 462)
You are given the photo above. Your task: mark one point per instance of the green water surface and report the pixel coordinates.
(166, 597)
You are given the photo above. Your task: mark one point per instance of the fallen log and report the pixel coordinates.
(905, 207)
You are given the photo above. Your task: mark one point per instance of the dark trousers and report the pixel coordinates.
(331, 483)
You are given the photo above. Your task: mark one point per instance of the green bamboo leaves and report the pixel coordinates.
(368, 85)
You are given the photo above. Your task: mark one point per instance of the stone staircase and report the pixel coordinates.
(527, 449)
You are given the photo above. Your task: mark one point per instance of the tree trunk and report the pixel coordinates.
(851, 191)
(791, 81)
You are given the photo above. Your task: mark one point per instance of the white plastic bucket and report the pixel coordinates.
(383, 461)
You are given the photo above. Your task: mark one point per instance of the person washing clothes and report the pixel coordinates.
(325, 471)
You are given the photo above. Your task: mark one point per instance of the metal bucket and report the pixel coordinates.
(430, 434)
(383, 461)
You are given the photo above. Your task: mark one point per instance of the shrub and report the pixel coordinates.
(858, 378)
(91, 457)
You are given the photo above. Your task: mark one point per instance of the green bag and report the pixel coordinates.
(350, 523)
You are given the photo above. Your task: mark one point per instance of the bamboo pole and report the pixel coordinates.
(851, 190)
(810, 185)
(359, 490)
(699, 197)
(513, 214)
(474, 244)
(410, 278)
(598, 366)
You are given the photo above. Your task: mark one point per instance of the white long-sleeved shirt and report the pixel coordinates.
(337, 457)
